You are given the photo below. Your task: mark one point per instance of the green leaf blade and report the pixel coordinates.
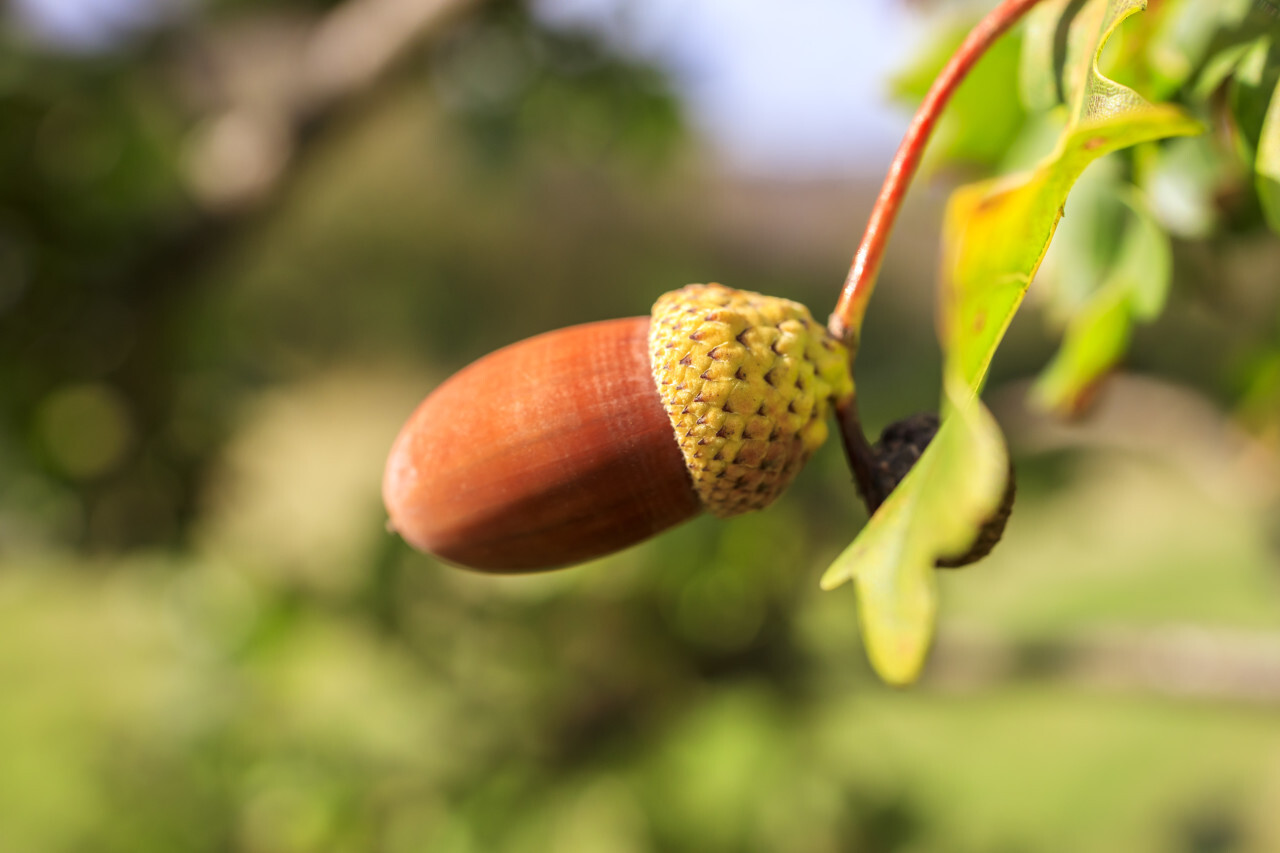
(1267, 164)
(985, 115)
(996, 234)
(1133, 289)
(935, 512)
(1096, 339)
(1043, 54)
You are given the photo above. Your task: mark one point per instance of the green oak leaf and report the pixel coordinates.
(933, 513)
(985, 114)
(998, 231)
(1255, 77)
(1194, 34)
(1255, 108)
(1058, 40)
(995, 236)
(1221, 67)
(1267, 163)
(1133, 289)
(1044, 54)
(1088, 240)
(1183, 182)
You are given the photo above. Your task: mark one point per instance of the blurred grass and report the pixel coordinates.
(1125, 542)
(695, 693)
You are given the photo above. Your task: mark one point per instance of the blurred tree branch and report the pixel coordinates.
(1217, 664)
(113, 255)
(267, 92)
(266, 87)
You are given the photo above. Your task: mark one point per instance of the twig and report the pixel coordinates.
(846, 320)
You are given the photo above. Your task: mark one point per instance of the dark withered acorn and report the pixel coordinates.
(901, 445)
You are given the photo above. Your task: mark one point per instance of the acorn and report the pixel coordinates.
(583, 441)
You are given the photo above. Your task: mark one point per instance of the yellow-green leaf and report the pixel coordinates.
(1095, 340)
(995, 236)
(1267, 163)
(996, 232)
(932, 514)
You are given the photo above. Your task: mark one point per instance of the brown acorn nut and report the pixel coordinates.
(576, 443)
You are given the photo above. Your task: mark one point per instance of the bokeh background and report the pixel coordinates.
(240, 240)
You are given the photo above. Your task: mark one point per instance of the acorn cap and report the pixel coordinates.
(575, 443)
(746, 381)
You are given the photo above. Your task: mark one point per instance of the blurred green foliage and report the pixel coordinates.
(209, 642)
(986, 113)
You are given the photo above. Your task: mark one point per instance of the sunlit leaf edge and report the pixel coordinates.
(897, 601)
(935, 512)
(1133, 290)
(1267, 163)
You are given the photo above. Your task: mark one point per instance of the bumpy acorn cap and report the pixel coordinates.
(746, 380)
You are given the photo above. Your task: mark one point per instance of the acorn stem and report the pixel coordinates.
(845, 324)
(846, 321)
(861, 456)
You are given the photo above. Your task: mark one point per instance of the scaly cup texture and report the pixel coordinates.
(579, 442)
(746, 380)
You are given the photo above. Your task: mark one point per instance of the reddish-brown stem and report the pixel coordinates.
(846, 321)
